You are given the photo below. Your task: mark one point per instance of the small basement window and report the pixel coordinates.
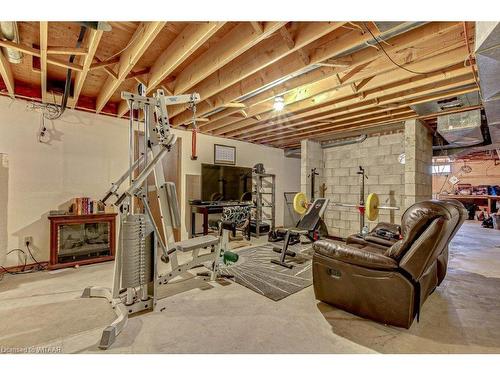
(441, 169)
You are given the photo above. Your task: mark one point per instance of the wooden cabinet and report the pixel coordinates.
(81, 239)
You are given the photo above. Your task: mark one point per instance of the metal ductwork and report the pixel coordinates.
(442, 105)
(9, 31)
(461, 129)
(488, 63)
(343, 142)
(295, 152)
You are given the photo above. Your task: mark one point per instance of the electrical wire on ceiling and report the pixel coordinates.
(48, 111)
(132, 40)
(394, 62)
(469, 56)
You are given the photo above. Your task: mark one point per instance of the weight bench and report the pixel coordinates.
(307, 225)
(195, 243)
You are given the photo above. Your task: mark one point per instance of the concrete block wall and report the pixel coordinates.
(386, 177)
(418, 164)
(311, 157)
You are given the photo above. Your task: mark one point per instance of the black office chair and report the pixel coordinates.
(308, 226)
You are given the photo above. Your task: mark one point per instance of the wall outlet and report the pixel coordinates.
(28, 240)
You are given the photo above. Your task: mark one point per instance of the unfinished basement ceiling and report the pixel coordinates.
(334, 77)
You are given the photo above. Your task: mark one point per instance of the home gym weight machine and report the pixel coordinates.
(136, 277)
(368, 207)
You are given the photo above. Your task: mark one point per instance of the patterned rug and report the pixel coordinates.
(255, 271)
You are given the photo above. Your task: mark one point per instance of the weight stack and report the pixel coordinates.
(137, 241)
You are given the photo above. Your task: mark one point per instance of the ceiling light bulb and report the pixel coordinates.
(279, 103)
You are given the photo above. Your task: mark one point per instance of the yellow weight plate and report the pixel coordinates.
(300, 203)
(372, 204)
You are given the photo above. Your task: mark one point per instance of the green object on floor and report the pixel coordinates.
(230, 257)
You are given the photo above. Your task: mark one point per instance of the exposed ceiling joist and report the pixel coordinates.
(6, 74)
(233, 44)
(91, 42)
(36, 52)
(192, 37)
(101, 64)
(429, 59)
(257, 26)
(244, 74)
(144, 35)
(389, 95)
(235, 105)
(67, 51)
(411, 101)
(188, 41)
(287, 37)
(332, 80)
(44, 26)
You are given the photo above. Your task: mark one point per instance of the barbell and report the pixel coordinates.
(370, 207)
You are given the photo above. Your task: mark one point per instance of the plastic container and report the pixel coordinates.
(496, 221)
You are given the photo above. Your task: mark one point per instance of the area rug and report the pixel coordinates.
(255, 271)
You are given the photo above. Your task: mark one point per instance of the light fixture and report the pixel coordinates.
(279, 103)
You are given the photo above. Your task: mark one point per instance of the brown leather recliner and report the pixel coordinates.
(372, 240)
(388, 285)
(459, 219)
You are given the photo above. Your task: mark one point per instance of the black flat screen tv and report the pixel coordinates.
(225, 183)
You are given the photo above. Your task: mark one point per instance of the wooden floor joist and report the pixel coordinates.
(302, 87)
(188, 41)
(243, 74)
(44, 26)
(333, 77)
(142, 38)
(344, 98)
(329, 129)
(6, 74)
(92, 42)
(378, 67)
(398, 99)
(240, 39)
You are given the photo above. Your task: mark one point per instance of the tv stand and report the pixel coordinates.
(209, 207)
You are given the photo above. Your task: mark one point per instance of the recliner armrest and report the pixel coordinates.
(352, 255)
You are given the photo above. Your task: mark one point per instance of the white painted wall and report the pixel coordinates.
(91, 151)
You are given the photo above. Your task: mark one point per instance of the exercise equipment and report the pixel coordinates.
(368, 207)
(136, 275)
(300, 203)
(313, 175)
(372, 206)
(308, 225)
(279, 234)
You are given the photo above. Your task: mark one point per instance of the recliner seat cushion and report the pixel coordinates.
(352, 255)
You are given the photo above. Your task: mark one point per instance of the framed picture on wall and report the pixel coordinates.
(224, 154)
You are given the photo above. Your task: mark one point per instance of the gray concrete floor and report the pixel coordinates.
(45, 309)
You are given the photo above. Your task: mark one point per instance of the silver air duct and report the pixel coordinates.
(488, 63)
(295, 152)
(343, 142)
(9, 31)
(461, 129)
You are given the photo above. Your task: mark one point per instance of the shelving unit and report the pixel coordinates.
(264, 195)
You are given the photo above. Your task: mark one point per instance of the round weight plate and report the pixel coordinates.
(300, 203)
(372, 204)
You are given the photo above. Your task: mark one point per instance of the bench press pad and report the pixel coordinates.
(196, 243)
